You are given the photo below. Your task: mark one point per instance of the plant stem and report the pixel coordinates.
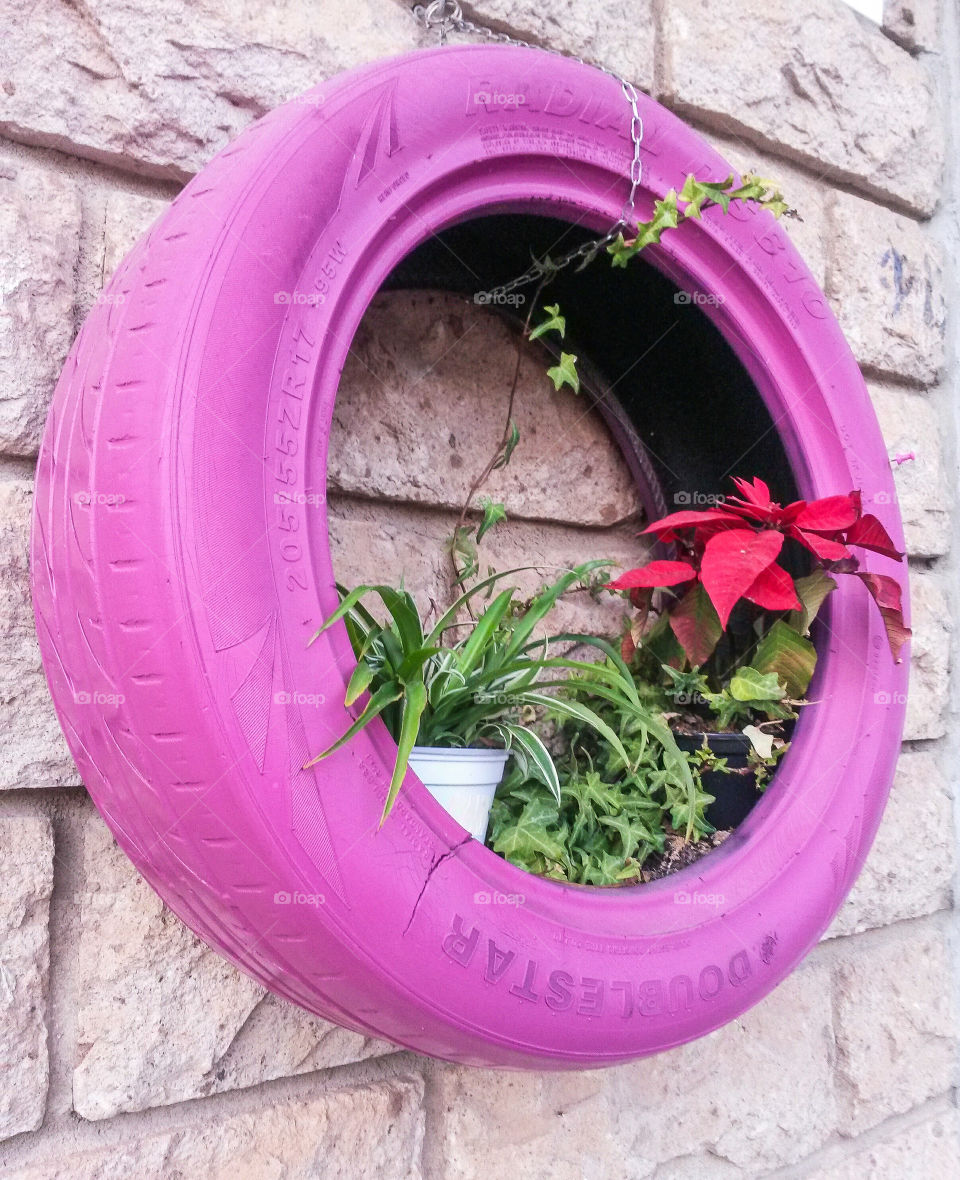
(484, 475)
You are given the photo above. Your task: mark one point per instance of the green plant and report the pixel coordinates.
(431, 691)
(610, 817)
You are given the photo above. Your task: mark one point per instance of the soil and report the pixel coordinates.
(678, 854)
(691, 724)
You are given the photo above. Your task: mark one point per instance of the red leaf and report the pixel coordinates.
(869, 533)
(789, 514)
(732, 562)
(888, 595)
(695, 624)
(654, 573)
(690, 519)
(886, 591)
(824, 548)
(897, 631)
(831, 514)
(747, 511)
(774, 590)
(641, 597)
(756, 493)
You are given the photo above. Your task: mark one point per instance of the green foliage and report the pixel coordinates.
(433, 692)
(612, 813)
(812, 591)
(788, 656)
(693, 198)
(505, 453)
(565, 372)
(610, 817)
(554, 323)
(492, 514)
(748, 695)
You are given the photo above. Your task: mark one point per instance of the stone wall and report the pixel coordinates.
(126, 1047)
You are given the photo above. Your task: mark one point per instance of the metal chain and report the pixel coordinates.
(446, 17)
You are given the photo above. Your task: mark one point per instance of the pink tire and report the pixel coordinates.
(180, 565)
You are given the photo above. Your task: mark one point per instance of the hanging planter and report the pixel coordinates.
(201, 401)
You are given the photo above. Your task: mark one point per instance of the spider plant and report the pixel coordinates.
(432, 691)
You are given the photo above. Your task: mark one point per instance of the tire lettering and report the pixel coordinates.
(591, 996)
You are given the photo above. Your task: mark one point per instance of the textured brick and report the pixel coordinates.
(161, 1017)
(808, 87)
(367, 539)
(26, 852)
(114, 219)
(728, 1085)
(886, 285)
(161, 87)
(366, 1131)
(604, 31)
(929, 658)
(33, 752)
(39, 244)
(929, 1147)
(421, 410)
(909, 871)
(895, 1024)
(911, 426)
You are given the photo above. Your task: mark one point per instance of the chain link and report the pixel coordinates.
(447, 17)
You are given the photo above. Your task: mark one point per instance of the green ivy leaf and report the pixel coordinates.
(565, 373)
(529, 835)
(492, 514)
(555, 323)
(620, 251)
(696, 193)
(513, 437)
(748, 684)
(465, 552)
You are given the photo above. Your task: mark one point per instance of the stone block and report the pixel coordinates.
(808, 88)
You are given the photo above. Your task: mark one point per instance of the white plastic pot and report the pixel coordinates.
(463, 781)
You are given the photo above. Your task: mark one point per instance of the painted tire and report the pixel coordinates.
(179, 568)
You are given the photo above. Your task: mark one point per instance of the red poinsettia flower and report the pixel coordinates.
(731, 551)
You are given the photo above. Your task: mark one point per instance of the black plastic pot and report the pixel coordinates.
(734, 794)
